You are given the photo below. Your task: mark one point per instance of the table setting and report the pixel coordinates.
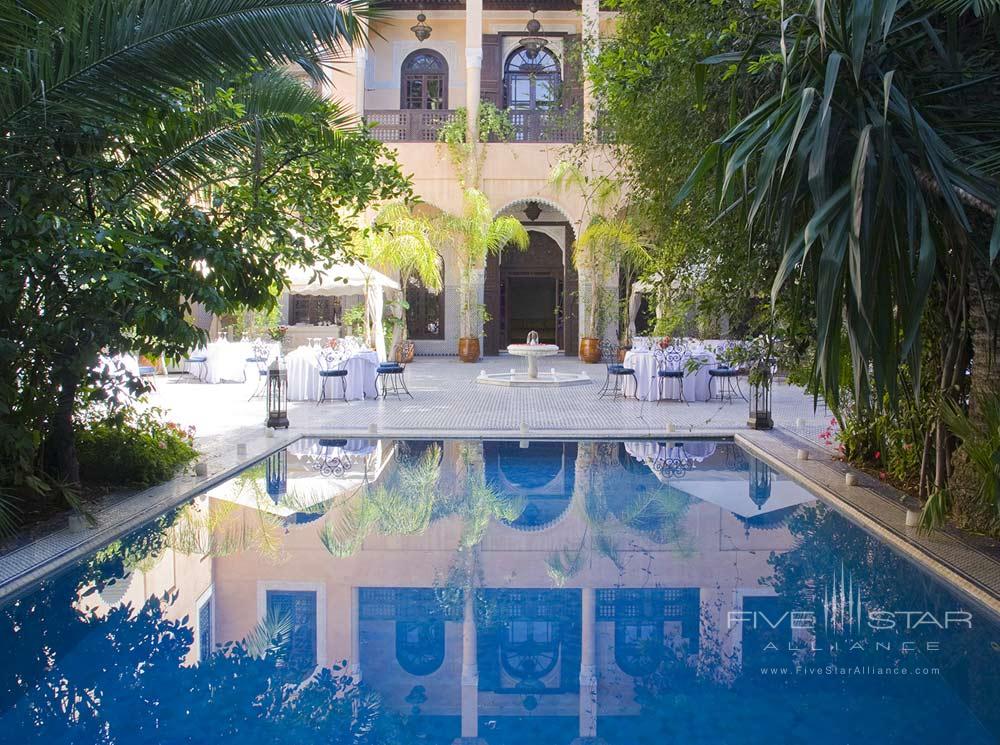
(303, 366)
(698, 357)
(228, 361)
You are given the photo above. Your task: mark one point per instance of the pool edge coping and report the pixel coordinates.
(897, 538)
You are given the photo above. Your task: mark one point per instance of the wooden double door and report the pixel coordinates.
(529, 291)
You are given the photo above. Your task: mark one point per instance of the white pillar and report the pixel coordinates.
(355, 669)
(473, 64)
(361, 70)
(591, 46)
(470, 669)
(588, 663)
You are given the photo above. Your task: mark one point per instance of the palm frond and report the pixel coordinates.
(118, 56)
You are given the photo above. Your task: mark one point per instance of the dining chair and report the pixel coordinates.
(670, 367)
(391, 374)
(616, 372)
(331, 366)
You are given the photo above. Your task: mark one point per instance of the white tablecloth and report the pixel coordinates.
(644, 364)
(227, 360)
(304, 381)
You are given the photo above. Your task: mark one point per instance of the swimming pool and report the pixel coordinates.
(379, 591)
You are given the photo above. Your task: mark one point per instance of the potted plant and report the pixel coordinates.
(475, 235)
(596, 256)
(403, 242)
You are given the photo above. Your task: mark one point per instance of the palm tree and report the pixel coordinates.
(404, 242)
(605, 245)
(475, 235)
(869, 165)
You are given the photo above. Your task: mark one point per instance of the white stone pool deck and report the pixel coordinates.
(448, 403)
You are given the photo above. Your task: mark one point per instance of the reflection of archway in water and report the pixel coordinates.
(420, 646)
(534, 290)
(543, 475)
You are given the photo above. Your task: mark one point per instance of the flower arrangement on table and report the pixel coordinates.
(277, 333)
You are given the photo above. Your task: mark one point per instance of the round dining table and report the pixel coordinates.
(227, 361)
(304, 382)
(696, 383)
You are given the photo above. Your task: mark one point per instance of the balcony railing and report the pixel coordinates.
(408, 125)
(421, 125)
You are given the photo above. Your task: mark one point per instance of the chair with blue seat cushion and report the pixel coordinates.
(727, 383)
(390, 376)
(259, 358)
(616, 372)
(201, 361)
(331, 366)
(670, 366)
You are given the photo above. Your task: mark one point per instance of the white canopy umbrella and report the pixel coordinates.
(347, 279)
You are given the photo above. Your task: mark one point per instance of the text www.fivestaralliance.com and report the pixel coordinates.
(836, 670)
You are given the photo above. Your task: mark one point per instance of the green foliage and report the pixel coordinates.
(474, 236)
(467, 157)
(662, 108)
(134, 448)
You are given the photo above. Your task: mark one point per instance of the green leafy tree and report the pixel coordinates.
(156, 155)
(865, 164)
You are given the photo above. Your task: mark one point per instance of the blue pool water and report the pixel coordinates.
(356, 591)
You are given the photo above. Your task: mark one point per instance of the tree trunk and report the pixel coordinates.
(984, 310)
(61, 461)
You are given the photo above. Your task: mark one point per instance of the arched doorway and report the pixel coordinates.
(533, 290)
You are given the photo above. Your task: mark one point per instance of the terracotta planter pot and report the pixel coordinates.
(590, 349)
(404, 352)
(468, 349)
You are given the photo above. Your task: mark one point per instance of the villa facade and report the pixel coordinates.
(408, 83)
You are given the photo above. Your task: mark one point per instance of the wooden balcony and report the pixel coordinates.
(421, 125)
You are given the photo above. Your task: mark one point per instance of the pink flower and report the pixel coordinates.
(163, 446)
(878, 454)
(882, 475)
(833, 421)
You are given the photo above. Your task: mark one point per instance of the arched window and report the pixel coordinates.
(425, 314)
(639, 647)
(424, 81)
(420, 646)
(532, 83)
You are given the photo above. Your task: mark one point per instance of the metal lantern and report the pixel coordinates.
(532, 337)
(533, 43)
(760, 482)
(421, 30)
(277, 395)
(276, 475)
(760, 396)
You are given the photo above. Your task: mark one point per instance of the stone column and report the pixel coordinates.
(361, 69)
(473, 64)
(470, 675)
(355, 669)
(591, 46)
(588, 664)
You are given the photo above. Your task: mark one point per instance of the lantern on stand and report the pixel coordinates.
(277, 395)
(276, 475)
(760, 482)
(759, 378)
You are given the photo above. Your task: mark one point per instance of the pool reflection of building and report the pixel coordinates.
(563, 623)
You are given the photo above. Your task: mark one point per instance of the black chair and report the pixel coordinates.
(616, 373)
(202, 362)
(727, 383)
(670, 366)
(390, 375)
(331, 367)
(259, 360)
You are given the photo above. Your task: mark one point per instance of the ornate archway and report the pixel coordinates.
(535, 290)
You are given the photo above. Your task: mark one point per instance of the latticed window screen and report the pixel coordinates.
(205, 631)
(300, 608)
